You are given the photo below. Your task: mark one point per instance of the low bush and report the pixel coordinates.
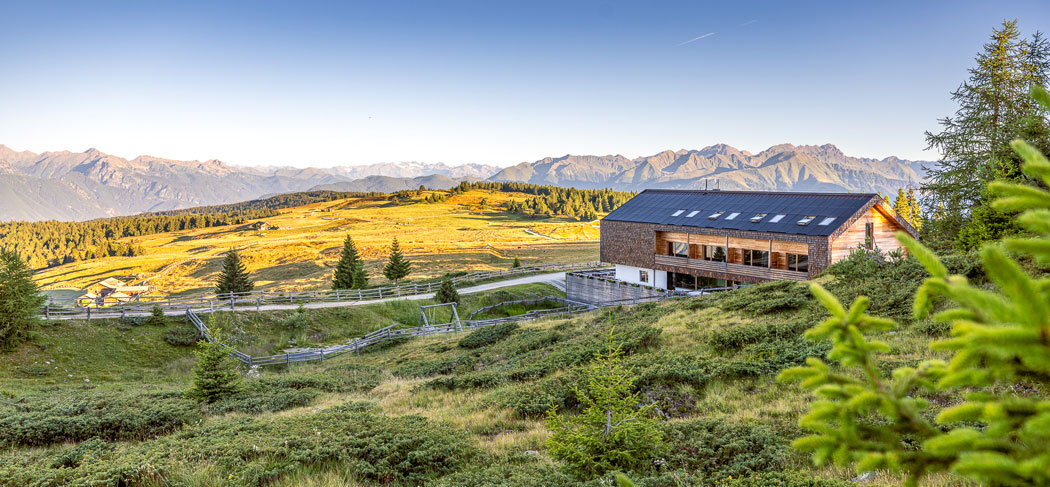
(737, 337)
(55, 418)
(769, 358)
(672, 370)
(469, 380)
(767, 298)
(785, 479)
(183, 336)
(249, 451)
(156, 317)
(715, 449)
(260, 398)
(428, 368)
(532, 400)
(488, 335)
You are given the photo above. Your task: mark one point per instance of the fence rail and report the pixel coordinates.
(257, 299)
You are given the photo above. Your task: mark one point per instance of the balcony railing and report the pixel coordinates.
(733, 269)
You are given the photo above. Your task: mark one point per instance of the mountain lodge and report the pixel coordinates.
(691, 239)
(110, 292)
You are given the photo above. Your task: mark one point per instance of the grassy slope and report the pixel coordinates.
(738, 339)
(459, 234)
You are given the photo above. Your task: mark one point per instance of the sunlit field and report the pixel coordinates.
(466, 232)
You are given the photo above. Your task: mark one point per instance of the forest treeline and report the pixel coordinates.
(548, 201)
(50, 243)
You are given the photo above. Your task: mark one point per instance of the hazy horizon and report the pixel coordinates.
(324, 84)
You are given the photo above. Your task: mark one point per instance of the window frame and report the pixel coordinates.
(672, 247)
(643, 275)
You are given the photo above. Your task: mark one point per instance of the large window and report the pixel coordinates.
(643, 276)
(678, 249)
(798, 262)
(714, 253)
(757, 258)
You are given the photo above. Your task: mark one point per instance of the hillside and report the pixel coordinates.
(83, 185)
(462, 232)
(433, 411)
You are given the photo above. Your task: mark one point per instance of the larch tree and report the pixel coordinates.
(234, 276)
(902, 206)
(397, 266)
(994, 108)
(20, 300)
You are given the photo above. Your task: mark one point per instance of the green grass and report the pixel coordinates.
(710, 362)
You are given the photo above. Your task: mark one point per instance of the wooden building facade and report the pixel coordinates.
(702, 239)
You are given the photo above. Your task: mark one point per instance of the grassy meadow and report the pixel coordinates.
(90, 403)
(466, 232)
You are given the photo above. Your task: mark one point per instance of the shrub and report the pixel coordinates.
(183, 336)
(613, 432)
(469, 380)
(767, 298)
(261, 397)
(54, 418)
(488, 335)
(427, 368)
(737, 337)
(536, 398)
(716, 449)
(297, 321)
(156, 317)
(672, 370)
(256, 451)
(785, 479)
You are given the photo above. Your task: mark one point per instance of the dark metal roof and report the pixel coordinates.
(657, 206)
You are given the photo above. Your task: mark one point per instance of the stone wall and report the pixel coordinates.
(593, 290)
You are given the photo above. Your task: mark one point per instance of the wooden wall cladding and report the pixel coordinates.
(854, 236)
(791, 247)
(748, 243)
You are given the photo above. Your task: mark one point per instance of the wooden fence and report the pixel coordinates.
(382, 334)
(255, 300)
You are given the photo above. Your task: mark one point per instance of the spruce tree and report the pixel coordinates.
(446, 293)
(915, 209)
(346, 269)
(517, 263)
(214, 377)
(20, 300)
(397, 266)
(996, 433)
(360, 276)
(994, 108)
(234, 276)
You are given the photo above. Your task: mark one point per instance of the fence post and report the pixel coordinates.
(290, 297)
(398, 291)
(169, 301)
(231, 302)
(322, 355)
(357, 350)
(428, 287)
(249, 361)
(337, 296)
(47, 314)
(380, 293)
(123, 311)
(258, 303)
(211, 305)
(358, 294)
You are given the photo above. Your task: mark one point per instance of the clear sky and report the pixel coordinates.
(498, 82)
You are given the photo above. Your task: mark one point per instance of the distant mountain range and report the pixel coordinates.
(91, 184)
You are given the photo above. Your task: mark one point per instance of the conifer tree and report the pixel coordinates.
(615, 431)
(915, 209)
(994, 108)
(397, 266)
(516, 264)
(360, 276)
(20, 300)
(446, 293)
(214, 377)
(346, 270)
(997, 435)
(902, 206)
(234, 276)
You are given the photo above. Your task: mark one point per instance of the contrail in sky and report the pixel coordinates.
(709, 34)
(749, 22)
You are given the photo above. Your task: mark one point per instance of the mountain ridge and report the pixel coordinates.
(67, 185)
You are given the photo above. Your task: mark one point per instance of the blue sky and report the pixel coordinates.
(332, 83)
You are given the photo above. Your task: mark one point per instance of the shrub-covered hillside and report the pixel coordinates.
(462, 410)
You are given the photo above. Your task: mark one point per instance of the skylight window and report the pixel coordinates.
(776, 218)
(679, 212)
(732, 216)
(715, 215)
(805, 221)
(827, 221)
(692, 213)
(757, 218)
